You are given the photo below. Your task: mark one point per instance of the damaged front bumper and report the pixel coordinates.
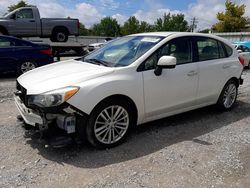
(29, 116)
(65, 120)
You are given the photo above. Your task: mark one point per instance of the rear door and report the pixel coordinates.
(214, 68)
(175, 89)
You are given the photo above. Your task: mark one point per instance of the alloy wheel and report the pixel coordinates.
(111, 124)
(229, 95)
(27, 66)
(61, 37)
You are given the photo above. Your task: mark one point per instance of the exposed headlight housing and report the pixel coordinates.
(53, 98)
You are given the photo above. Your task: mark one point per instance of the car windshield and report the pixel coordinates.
(5, 15)
(122, 51)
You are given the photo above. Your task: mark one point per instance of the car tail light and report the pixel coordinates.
(47, 51)
(78, 24)
(242, 60)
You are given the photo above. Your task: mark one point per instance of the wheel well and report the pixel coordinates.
(236, 80)
(60, 28)
(124, 98)
(4, 30)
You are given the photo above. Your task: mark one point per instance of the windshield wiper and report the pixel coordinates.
(98, 62)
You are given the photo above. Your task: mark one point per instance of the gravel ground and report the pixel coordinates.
(202, 148)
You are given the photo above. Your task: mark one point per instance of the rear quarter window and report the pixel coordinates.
(229, 50)
(221, 50)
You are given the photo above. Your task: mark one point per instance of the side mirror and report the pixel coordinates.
(165, 62)
(239, 51)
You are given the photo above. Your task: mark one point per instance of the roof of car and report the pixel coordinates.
(166, 34)
(180, 34)
(15, 38)
(160, 34)
(6, 36)
(11, 37)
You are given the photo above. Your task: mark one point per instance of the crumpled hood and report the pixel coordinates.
(59, 75)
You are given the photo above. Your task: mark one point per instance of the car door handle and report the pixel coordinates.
(32, 20)
(192, 73)
(226, 66)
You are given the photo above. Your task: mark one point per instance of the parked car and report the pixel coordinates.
(244, 43)
(20, 56)
(244, 51)
(131, 80)
(94, 46)
(26, 22)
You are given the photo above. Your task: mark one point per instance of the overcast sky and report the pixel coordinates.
(91, 11)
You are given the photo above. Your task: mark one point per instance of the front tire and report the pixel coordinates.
(228, 96)
(3, 31)
(109, 124)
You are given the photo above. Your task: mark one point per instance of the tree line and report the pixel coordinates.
(109, 26)
(231, 20)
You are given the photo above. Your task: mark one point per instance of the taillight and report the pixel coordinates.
(47, 52)
(242, 60)
(78, 24)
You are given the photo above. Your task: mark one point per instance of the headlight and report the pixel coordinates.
(53, 98)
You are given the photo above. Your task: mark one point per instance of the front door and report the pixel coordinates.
(175, 89)
(25, 23)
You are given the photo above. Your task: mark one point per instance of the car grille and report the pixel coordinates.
(22, 92)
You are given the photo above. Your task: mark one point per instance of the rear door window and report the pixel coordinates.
(207, 49)
(245, 49)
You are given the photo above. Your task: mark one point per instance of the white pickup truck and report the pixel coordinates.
(26, 22)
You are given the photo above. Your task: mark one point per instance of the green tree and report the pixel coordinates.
(174, 22)
(204, 31)
(131, 26)
(163, 24)
(232, 20)
(107, 27)
(83, 30)
(18, 5)
(145, 27)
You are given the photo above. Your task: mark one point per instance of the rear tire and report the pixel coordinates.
(26, 66)
(109, 123)
(228, 96)
(59, 35)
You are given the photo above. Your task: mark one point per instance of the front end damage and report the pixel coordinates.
(64, 116)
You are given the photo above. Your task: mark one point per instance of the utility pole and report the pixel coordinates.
(194, 22)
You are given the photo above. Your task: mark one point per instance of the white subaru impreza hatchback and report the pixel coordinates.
(130, 81)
